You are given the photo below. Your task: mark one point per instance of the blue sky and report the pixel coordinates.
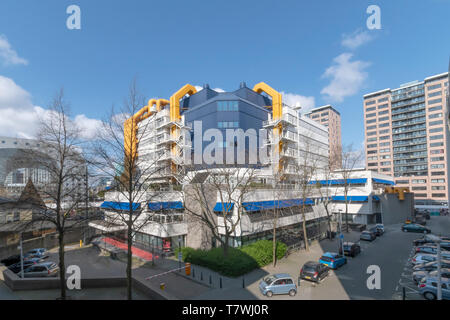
(317, 51)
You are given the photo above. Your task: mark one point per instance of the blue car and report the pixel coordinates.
(281, 283)
(333, 260)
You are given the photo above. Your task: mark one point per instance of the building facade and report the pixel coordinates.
(407, 136)
(330, 118)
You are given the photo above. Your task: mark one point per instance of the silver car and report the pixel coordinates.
(41, 270)
(428, 288)
(281, 283)
(419, 275)
(428, 257)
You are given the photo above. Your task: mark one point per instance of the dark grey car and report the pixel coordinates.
(367, 235)
(40, 270)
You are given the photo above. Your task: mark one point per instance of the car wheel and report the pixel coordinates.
(292, 292)
(429, 296)
(425, 231)
(269, 294)
(404, 230)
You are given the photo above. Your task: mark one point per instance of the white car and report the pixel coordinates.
(428, 257)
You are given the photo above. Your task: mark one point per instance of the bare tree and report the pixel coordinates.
(61, 157)
(229, 186)
(350, 160)
(115, 154)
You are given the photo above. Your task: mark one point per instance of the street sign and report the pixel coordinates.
(341, 236)
(180, 256)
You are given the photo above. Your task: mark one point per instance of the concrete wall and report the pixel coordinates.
(394, 210)
(47, 241)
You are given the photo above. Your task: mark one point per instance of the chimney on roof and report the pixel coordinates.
(206, 86)
(243, 85)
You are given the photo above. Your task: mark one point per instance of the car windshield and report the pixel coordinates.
(324, 258)
(269, 279)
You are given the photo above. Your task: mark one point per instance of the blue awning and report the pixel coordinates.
(383, 181)
(221, 207)
(375, 198)
(156, 206)
(272, 204)
(351, 198)
(339, 181)
(119, 205)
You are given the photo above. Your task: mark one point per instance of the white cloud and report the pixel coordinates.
(355, 39)
(293, 99)
(347, 77)
(20, 118)
(8, 55)
(199, 88)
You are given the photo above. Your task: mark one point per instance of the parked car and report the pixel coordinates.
(429, 249)
(280, 283)
(378, 232)
(428, 257)
(351, 249)
(11, 260)
(17, 267)
(427, 215)
(380, 226)
(313, 271)
(431, 266)
(412, 227)
(420, 220)
(367, 235)
(445, 245)
(36, 253)
(428, 288)
(333, 260)
(419, 275)
(428, 238)
(39, 270)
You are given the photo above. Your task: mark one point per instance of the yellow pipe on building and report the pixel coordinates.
(277, 112)
(175, 101)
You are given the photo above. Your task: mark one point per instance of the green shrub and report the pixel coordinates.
(239, 261)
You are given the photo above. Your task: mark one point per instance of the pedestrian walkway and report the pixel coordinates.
(137, 252)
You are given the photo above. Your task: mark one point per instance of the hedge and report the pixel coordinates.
(239, 260)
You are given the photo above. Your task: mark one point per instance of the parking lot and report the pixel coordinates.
(391, 252)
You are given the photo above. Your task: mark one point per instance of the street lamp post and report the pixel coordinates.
(341, 251)
(439, 285)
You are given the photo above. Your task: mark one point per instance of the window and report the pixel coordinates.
(374, 164)
(373, 145)
(385, 157)
(368, 103)
(434, 86)
(388, 137)
(383, 112)
(434, 101)
(437, 151)
(435, 108)
(420, 195)
(315, 116)
(372, 158)
(435, 123)
(228, 124)
(435, 115)
(437, 180)
(418, 181)
(370, 109)
(324, 113)
(383, 106)
(419, 188)
(437, 166)
(385, 144)
(438, 188)
(383, 125)
(385, 150)
(438, 195)
(370, 115)
(401, 181)
(371, 121)
(436, 130)
(385, 169)
(372, 133)
(383, 99)
(227, 106)
(437, 173)
(437, 137)
(383, 119)
(384, 131)
(433, 159)
(371, 127)
(372, 152)
(371, 139)
(435, 94)
(385, 163)
(436, 144)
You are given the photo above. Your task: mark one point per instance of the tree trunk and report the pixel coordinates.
(274, 241)
(305, 235)
(225, 245)
(346, 215)
(62, 268)
(129, 263)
